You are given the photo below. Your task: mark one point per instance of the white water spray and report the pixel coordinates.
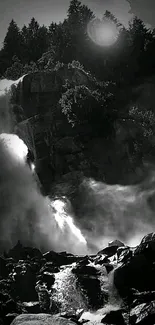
(65, 291)
(25, 214)
(111, 211)
(65, 220)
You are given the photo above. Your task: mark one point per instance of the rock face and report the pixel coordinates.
(106, 288)
(62, 151)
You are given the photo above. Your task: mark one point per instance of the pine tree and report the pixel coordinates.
(139, 36)
(109, 16)
(35, 41)
(78, 17)
(12, 42)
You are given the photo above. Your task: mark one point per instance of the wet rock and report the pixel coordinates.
(116, 242)
(90, 284)
(44, 298)
(19, 252)
(32, 319)
(49, 267)
(114, 317)
(109, 267)
(124, 254)
(143, 314)
(48, 278)
(85, 270)
(130, 275)
(60, 259)
(32, 307)
(142, 297)
(73, 316)
(24, 281)
(109, 251)
(147, 247)
(101, 259)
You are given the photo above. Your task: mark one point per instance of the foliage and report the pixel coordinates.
(132, 56)
(76, 65)
(16, 70)
(46, 62)
(58, 66)
(82, 104)
(146, 120)
(144, 142)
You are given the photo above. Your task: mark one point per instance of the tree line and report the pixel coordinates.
(36, 47)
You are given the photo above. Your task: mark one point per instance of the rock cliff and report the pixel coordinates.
(62, 152)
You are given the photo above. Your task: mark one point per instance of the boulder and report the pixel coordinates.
(19, 252)
(143, 314)
(130, 275)
(24, 282)
(44, 298)
(142, 297)
(40, 319)
(114, 317)
(109, 250)
(47, 278)
(116, 242)
(59, 259)
(147, 247)
(89, 283)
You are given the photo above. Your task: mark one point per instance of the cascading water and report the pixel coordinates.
(25, 214)
(112, 211)
(65, 293)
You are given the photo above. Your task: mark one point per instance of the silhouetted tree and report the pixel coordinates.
(11, 44)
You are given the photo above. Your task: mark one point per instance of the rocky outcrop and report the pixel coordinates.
(106, 288)
(60, 149)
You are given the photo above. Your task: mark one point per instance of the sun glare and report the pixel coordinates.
(103, 33)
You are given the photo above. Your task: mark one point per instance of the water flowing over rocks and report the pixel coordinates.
(115, 286)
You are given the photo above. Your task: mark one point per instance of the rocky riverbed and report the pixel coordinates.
(115, 286)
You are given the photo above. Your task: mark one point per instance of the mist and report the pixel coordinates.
(109, 212)
(25, 214)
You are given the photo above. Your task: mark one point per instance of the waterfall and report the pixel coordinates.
(65, 292)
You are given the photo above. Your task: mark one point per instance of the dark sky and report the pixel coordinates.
(46, 11)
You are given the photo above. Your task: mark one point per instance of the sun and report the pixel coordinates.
(103, 33)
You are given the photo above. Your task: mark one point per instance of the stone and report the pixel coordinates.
(59, 259)
(114, 317)
(39, 319)
(24, 281)
(116, 242)
(19, 252)
(48, 278)
(143, 314)
(130, 275)
(109, 250)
